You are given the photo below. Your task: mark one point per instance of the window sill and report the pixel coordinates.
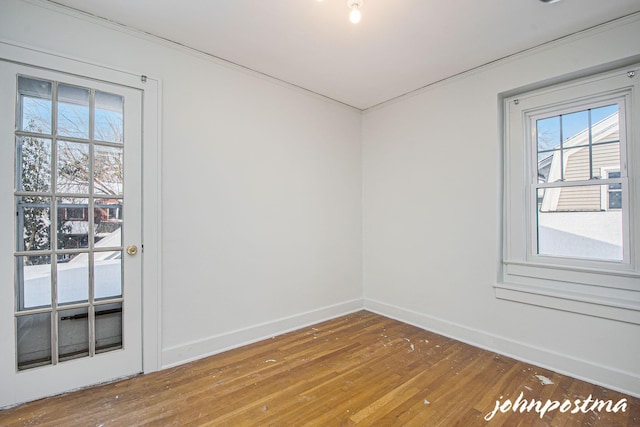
(607, 303)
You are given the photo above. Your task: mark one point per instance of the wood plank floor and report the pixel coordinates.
(361, 369)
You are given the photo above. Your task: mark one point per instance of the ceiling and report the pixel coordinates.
(399, 46)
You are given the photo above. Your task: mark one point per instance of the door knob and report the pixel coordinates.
(132, 250)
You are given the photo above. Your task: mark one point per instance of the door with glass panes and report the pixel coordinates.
(70, 219)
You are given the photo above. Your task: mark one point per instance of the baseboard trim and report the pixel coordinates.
(624, 382)
(195, 350)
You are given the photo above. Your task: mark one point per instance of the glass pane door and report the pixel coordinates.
(73, 146)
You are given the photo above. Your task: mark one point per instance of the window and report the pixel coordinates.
(74, 214)
(572, 147)
(614, 193)
(571, 233)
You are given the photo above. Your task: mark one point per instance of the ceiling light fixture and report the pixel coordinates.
(354, 15)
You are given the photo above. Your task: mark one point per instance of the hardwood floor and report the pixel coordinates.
(361, 369)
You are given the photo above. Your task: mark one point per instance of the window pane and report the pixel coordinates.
(108, 223)
(108, 170)
(34, 340)
(606, 157)
(571, 223)
(551, 158)
(73, 278)
(33, 164)
(545, 162)
(108, 327)
(73, 223)
(73, 111)
(34, 105)
(613, 175)
(606, 125)
(33, 281)
(73, 167)
(107, 274)
(33, 223)
(576, 164)
(615, 199)
(575, 128)
(109, 123)
(73, 333)
(548, 133)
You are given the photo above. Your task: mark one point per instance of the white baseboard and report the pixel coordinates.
(605, 376)
(219, 343)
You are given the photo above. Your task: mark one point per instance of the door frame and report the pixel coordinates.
(151, 178)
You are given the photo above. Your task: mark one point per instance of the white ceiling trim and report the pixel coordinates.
(56, 7)
(570, 38)
(59, 7)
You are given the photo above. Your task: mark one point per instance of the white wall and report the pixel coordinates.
(274, 239)
(432, 216)
(261, 187)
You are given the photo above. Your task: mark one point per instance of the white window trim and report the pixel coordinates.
(596, 288)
